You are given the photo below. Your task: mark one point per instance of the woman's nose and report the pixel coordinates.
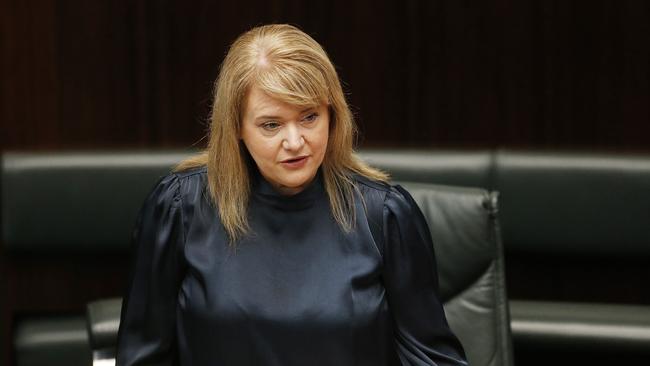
(293, 140)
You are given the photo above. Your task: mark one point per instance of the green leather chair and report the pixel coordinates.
(562, 214)
(575, 226)
(561, 206)
(465, 230)
(463, 223)
(67, 203)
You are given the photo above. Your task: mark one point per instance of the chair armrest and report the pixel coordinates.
(103, 321)
(589, 325)
(52, 341)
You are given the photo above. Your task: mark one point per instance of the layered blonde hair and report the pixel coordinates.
(290, 66)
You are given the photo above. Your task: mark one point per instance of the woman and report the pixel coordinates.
(278, 246)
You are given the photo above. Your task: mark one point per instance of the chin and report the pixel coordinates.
(299, 181)
(296, 183)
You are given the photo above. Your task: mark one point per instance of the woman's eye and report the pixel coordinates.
(270, 126)
(311, 117)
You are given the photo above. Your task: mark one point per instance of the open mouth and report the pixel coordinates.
(295, 163)
(294, 160)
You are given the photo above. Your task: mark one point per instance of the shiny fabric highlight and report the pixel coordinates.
(296, 291)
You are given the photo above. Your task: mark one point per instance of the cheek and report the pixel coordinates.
(323, 137)
(262, 150)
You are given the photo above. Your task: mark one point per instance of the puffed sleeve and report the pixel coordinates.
(147, 327)
(422, 335)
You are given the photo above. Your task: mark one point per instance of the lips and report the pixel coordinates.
(294, 160)
(295, 163)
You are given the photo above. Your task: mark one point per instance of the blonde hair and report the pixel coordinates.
(290, 66)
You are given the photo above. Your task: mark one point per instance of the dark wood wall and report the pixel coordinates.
(527, 73)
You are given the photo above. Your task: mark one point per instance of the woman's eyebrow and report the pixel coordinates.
(268, 117)
(280, 117)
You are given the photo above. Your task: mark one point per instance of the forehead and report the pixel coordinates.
(260, 104)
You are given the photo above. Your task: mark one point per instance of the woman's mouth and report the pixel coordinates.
(295, 163)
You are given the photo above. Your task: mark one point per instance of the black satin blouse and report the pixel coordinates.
(297, 291)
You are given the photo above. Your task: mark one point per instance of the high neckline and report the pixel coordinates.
(264, 190)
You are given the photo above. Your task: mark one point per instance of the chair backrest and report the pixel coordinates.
(469, 254)
(72, 197)
(450, 167)
(590, 205)
(462, 221)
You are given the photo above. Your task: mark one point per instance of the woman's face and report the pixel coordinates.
(287, 143)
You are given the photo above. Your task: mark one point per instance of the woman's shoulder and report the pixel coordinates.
(389, 208)
(191, 181)
(178, 186)
(191, 175)
(383, 190)
(364, 182)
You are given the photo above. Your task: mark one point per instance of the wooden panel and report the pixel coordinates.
(538, 74)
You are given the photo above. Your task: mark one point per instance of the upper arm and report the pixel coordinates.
(422, 334)
(147, 327)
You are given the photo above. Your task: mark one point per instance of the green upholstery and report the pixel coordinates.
(103, 322)
(592, 204)
(560, 206)
(53, 341)
(70, 203)
(581, 325)
(454, 168)
(551, 206)
(574, 203)
(466, 238)
(101, 194)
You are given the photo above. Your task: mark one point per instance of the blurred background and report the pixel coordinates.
(533, 75)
